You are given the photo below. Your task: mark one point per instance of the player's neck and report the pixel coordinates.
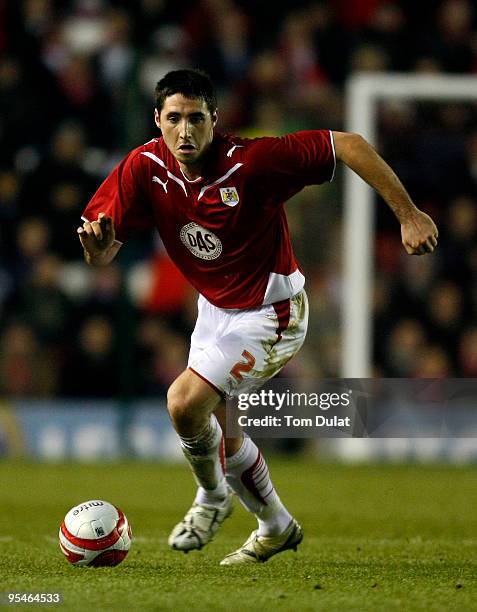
(191, 171)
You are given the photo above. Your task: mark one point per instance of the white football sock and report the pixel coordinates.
(205, 454)
(247, 474)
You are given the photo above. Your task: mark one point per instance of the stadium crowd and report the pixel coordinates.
(76, 93)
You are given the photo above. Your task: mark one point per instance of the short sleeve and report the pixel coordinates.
(121, 196)
(306, 156)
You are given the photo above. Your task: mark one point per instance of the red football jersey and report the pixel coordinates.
(227, 230)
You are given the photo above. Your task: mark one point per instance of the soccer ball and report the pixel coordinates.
(95, 533)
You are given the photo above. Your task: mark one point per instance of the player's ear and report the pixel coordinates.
(157, 118)
(215, 117)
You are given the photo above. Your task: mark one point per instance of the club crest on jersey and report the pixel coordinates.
(229, 196)
(201, 242)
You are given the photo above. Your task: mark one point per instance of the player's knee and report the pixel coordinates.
(176, 403)
(181, 406)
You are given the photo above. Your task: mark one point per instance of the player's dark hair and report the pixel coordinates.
(193, 84)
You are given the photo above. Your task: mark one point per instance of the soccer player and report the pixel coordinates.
(218, 204)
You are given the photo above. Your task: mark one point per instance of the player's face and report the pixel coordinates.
(187, 128)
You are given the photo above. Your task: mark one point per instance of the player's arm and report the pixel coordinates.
(98, 241)
(418, 231)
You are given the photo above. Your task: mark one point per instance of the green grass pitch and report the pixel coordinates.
(377, 538)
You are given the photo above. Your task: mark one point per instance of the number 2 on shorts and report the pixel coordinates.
(241, 367)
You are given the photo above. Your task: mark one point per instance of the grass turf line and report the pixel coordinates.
(376, 538)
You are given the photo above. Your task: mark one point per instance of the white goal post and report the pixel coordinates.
(363, 92)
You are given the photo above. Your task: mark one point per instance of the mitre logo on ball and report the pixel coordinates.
(201, 242)
(229, 196)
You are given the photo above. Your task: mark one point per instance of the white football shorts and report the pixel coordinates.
(237, 351)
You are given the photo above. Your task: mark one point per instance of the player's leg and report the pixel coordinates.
(191, 402)
(235, 352)
(246, 470)
(248, 476)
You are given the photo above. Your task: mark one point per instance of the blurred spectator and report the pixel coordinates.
(32, 242)
(468, 353)
(297, 46)
(62, 165)
(453, 43)
(64, 211)
(445, 321)
(333, 42)
(355, 14)
(265, 79)
(386, 29)
(18, 124)
(369, 58)
(433, 362)
(103, 294)
(10, 184)
(411, 288)
(117, 61)
(26, 368)
(90, 369)
(167, 51)
(461, 236)
(161, 354)
(168, 290)
(219, 39)
(41, 302)
(403, 347)
(426, 64)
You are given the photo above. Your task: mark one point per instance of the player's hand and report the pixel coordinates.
(98, 239)
(419, 234)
